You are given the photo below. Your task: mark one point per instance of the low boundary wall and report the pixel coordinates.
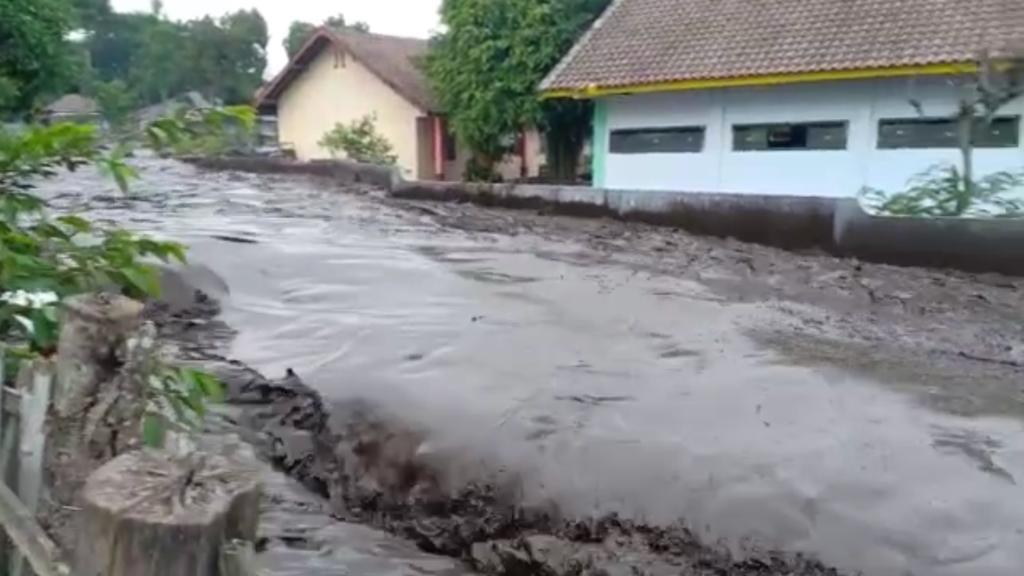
(341, 171)
(838, 226)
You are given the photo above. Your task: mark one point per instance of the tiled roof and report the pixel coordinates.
(393, 59)
(639, 42)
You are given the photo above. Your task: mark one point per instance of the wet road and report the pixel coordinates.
(603, 387)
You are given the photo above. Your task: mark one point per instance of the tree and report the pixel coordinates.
(116, 102)
(226, 57)
(33, 53)
(89, 13)
(360, 141)
(298, 33)
(157, 72)
(947, 190)
(487, 66)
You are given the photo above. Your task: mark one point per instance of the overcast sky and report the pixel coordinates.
(399, 17)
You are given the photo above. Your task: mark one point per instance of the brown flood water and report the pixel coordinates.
(607, 384)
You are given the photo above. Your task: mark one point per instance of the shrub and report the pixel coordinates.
(360, 141)
(943, 191)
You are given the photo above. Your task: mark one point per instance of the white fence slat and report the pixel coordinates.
(36, 382)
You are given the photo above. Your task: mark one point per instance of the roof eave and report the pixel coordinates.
(595, 91)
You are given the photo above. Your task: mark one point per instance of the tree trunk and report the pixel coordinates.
(149, 514)
(965, 133)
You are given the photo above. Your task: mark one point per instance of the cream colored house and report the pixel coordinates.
(340, 76)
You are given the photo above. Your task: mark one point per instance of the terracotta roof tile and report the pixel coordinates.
(653, 41)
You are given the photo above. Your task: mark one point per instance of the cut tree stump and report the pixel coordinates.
(147, 513)
(104, 359)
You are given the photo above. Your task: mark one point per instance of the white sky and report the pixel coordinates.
(415, 18)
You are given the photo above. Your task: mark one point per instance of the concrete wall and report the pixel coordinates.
(835, 225)
(829, 173)
(339, 171)
(336, 88)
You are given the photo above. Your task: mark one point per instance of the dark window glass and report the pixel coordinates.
(1001, 132)
(805, 136)
(998, 133)
(658, 140)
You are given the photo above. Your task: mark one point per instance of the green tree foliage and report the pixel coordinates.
(89, 13)
(33, 52)
(300, 31)
(360, 141)
(225, 58)
(222, 58)
(116, 102)
(487, 66)
(45, 258)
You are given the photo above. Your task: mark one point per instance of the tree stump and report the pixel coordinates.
(148, 514)
(104, 359)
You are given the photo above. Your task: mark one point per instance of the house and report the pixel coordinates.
(342, 75)
(72, 108)
(787, 97)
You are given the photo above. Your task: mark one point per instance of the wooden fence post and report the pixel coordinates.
(148, 513)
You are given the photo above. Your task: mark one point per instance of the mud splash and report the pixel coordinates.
(374, 470)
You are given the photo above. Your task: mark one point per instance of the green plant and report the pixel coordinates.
(177, 400)
(943, 191)
(204, 132)
(116, 102)
(44, 258)
(487, 64)
(360, 141)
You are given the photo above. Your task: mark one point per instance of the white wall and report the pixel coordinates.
(335, 88)
(838, 173)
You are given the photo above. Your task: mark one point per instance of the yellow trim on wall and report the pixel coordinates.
(766, 80)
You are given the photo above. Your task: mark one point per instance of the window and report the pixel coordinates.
(658, 140)
(1003, 132)
(805, 136)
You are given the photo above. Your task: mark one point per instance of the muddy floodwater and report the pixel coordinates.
(868, 415)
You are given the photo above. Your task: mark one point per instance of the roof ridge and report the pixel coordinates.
(348, 30)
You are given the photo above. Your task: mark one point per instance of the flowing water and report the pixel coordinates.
(603, 388)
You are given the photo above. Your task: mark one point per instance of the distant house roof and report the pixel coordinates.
(395, 60)
(72, 105)
(188, 100)
(657, 42)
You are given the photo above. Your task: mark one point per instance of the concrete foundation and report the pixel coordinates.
(838, 226)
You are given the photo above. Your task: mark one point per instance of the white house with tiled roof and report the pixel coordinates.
(343, 75)
(787, 97)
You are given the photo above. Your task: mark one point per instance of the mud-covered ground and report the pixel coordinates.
(481, 381)
(926, 331)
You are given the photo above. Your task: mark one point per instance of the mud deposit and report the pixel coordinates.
(551, 395)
